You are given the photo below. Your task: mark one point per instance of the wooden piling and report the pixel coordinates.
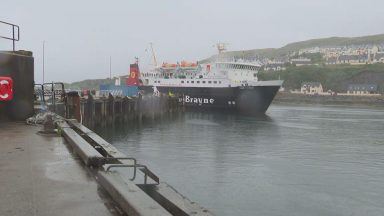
(108, 111)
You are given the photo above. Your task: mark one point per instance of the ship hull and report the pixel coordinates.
(244, 99)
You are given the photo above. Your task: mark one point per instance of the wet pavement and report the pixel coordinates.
(40, 176)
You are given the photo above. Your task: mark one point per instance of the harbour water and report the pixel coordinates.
(297, 160)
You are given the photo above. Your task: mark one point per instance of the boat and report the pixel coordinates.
(220, 84)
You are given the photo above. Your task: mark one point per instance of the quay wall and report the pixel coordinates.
(19, 65)
(105, 111)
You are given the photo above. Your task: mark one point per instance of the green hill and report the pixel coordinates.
(332, 77)
(88, 84)
(292, 47)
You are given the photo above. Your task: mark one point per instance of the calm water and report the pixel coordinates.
(299, 160)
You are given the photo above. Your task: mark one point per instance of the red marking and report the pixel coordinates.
(6, 89)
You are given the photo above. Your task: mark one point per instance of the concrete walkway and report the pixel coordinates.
(40, 176)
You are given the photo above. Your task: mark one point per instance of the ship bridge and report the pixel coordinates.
(237, 66)
(235, 71)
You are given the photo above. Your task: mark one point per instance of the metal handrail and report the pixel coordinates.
(13, 38)
(134, 166)
(42, 92)
(53, 92)
(109, 159)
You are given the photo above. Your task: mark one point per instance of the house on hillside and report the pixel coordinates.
(301, 61)
(353, 59)
(362, 89)
(378, 57)
(274, 66)
(311, 88)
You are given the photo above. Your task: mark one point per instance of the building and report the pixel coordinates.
(379, 57)
(362, 89)
(353, 59)
(301, 61)
(274, 66)
(311, 88)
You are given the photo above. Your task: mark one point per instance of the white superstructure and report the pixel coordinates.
(219, 73)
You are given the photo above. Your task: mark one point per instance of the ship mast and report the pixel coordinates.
(221, 47)
(153, 54)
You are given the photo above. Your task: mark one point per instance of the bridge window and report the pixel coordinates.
(192, 81)
(182, 81)
(209, 82)
(198, 81)
(215, 82)
(204, 82)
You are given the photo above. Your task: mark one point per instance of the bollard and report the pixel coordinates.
(73, 106)
(111, 110)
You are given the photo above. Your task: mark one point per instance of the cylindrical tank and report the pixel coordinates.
(19, 65)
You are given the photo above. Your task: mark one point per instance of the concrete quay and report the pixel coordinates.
(41, 177)
(48, 174)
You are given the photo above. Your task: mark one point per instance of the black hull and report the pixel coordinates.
(249, 99)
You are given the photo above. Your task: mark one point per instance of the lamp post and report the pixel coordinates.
(110, 67)
(43, 62)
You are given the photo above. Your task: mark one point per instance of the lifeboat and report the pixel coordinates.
(188, 64)
(168, 65)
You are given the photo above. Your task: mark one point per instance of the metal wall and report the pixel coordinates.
(122, 91)
(19, 65)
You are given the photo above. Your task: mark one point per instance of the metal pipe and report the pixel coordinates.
(13, 36)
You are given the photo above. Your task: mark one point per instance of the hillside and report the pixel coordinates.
(332, 77)
(324, 42)
(88, 84)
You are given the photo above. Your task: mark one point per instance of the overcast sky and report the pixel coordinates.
(81, 35)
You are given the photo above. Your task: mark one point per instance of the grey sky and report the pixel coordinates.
(81, 35)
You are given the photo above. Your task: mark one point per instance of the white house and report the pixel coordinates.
(311, 88)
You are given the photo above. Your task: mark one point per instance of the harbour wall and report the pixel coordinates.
(106, 111)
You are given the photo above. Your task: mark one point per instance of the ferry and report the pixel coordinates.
(219, 84)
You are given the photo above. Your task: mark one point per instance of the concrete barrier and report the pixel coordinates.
(130, 197)
(87, 153)
(109, 149)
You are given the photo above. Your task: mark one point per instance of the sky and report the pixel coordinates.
(81, 36)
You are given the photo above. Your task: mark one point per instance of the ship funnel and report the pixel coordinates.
(134, 72)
